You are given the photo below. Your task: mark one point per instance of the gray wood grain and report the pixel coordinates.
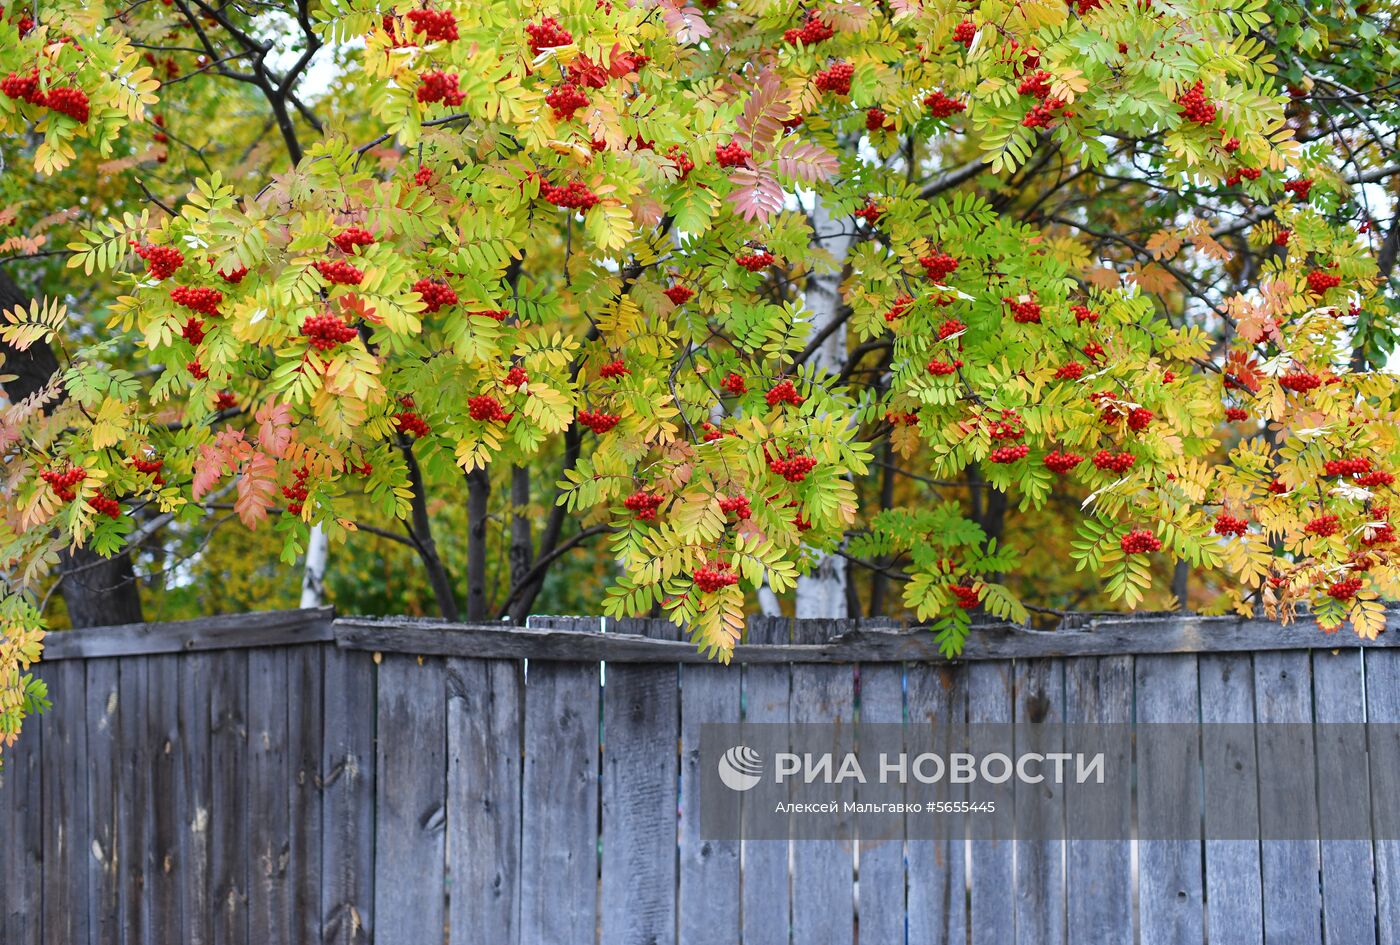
(22, 838)
(411, 800)
(1292, 900)
(165, 803)
(709, 869)
(1382, 716)
(1170, 885)
(65, 828)
(226, 631)
(1234, 914)
(559, 828)
(992, 913)
(347, 797)
(937, 893)
(303, 791)
(230, 808)
(193, 727)
(1099, 873)
(880, 894)
(1348, 870)
(134, 798)
(269, 772)
(103, 866)
(767, 895)
(483, 800)
(823, 904)
(1039, 687)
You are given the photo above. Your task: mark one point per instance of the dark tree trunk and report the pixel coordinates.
(478, 492)
(96, 590)
(420, 529)
(522, 546)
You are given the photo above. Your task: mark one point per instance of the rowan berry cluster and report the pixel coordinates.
(346, 240)
(1082, 314)
(1093, 351)
(949, 328)
(1139, 419)
(1376, 480)
(326, 331)
(1236, 414)
(1036, 83)
(710, 580)
(439, 86)
(496, 314)
(1278, 487)
(613, 369)
(296, 492)
(755, 262)
(197, 299)
(944, 368)
(1110, 461)
(1323, 526)
(784, 392)
(1195, 106)
(1299, 381)
(547, 34)
(1009, 454)
(436, 294)
(1072, 371)
(151, 467)
(870, 213)
(836, 79)
(161, 261)
(813, 30)
(487, 408)
(711, 432)
(965, 32)
(1061, 463)
(1354, 466)
(66, 100)
(566, 99)
(197, 370)
(105, 505)
(423, 176)
(407, 421)
(793, 467)
(339, 272)
(517, 377)
(573, 196)
(1024, 311)
(679, 294)
(644, 504)
(1243, 173)
(1319, 282)
(225, 400)
(599, 422)
(681, 160)
(1300, 189)
(938, 266)
(940, 105)
(1140, 541)
(435, 25)
(1345, 589)
(1382, 534)
(875, 119)
(900, 308)
(1282, 237)
(731, 155)
(895, 419)
(734, 384)
(738, 504)
(235, 276)
(25, 87)
(1044, 114)
(964, 595)
(1229, 525)
(62, 483)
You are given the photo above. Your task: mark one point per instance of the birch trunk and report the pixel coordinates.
(313, 576)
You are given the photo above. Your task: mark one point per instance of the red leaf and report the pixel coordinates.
(764, 112)
(274, 428)
(257, 490)
(756, 193)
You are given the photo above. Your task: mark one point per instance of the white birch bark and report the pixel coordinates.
(313, 576)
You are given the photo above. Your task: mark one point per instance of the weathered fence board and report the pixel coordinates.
(345, 782)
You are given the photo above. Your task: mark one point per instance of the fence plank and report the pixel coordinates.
(221, 632)
(229, 808)
(880, 892)
(1040, 808)
(134, 799)
(1099, 873)
(411, 800)
(823, 902)
(992, 916)
(1234, 894)
(269, 770)
(767, 896)
(103, 759)
(194, 773)
(1348, 873)
(347, 798)
(64, 772)
(165, 802)
(559, 829)
(1170, 894)
(483, 793)
(710, 893)
(1383, 709)
(641, 719)
(937, 898)
(22, 839)
(303, 791)
(1292, 901)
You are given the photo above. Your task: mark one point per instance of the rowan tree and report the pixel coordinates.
(701, 283)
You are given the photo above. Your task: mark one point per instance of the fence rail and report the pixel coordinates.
(292, 778)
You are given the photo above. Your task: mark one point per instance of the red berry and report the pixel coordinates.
(1229, 525)
(406, 421)
(1036, 84)
(938, 266)
(738, 504)
(201, 300)
(965, 32)
(875, 120)
(1083, 314)
(784, 393)
(1322, 526)
(487, 408)
(731, 155)
(755, 262)
(196, 370)
(573, 196)
(439, 86)
(950, 328)
(235, 276)
(1195, 106)
(105, 505)
(25, 87)
(943, 368)
(547, 34)
(435, 25)
(1139, 418)
(613, 369)
(814, 30)
(734, 384)
(62, 483)
(435, 293)
(69, 101)
(1299, 381)
(1347, 467)
(1009, 454)
(598, 422)
(516, 377)
(327, 331)
(1299, 188)
(680, 159)
(794, 467)
(348, 239)
(566, 99)
(1319, 282)
(710, 580)
(497, 314)
(1024, 311)
(1058, 462)
(901, 307)
(193, 332)
(679, 294)
(161, 261)
(836, 79)
(1114, 462)
(1140, 541)
(339, 272)
(1236, 414)
(1070, 372)
(1346, 589)
(1375, 480)
(965, 595)
(644, 504)
(870, 213)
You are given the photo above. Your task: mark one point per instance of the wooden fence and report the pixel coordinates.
(291, 778)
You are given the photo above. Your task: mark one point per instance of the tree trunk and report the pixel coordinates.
(313, 577)
(478, 491)
(822, 593)
(421, 531)
(522, 547)
(97, 591)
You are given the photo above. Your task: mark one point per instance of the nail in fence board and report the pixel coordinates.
(347, 797)
(100, 847)
(937, 895)
(1233, 885)
(559, 829)
(1040, 895)
(1383, 708)
(1292, 902)
(766, 894)
(1348, 872)
(641, 718)
(411, 799)
(823, 906)
(880, 899)
(992, 917)
(1170, 896)
(1099, 873)
(64, 773)
(709, 880)
(483, 800)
